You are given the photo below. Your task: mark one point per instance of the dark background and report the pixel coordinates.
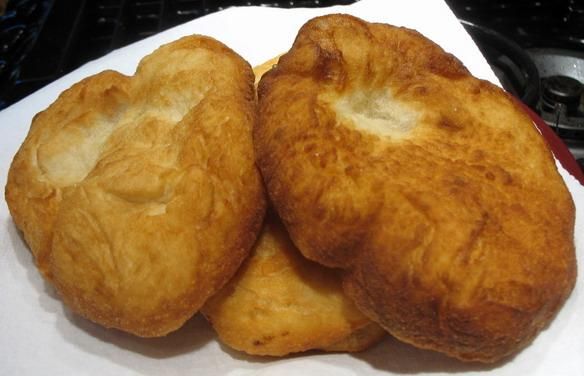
(41, 40)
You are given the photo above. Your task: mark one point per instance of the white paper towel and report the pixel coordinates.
(38, 335)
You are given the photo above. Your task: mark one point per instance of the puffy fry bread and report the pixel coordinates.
(280, 303)
(431, 189)
(139, 196)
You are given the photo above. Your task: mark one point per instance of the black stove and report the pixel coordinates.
(536, 48)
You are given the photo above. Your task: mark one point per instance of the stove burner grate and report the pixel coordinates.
(75, 32)
(562, 93)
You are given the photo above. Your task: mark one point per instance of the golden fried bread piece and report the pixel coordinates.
(280, 303)
(430, 188)
(139, 196)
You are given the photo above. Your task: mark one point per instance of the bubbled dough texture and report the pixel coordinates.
(430, 188)
(139, 196)
(280, 303)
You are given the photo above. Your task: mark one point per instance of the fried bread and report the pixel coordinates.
(431, 189)
(281, 303)
(139, 196)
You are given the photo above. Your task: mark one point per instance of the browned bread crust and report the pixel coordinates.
(139, 196)
(280, 303)
(430, 188)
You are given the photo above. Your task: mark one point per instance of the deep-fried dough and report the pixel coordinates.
(138, 196)
(431, 189)
(280, 303)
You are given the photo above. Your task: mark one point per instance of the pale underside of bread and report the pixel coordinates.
(139, 196)
(281, 303)
(431, 189)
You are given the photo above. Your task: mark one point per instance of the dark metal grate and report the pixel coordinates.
(74, 32)
(528, 22)
(20, 26)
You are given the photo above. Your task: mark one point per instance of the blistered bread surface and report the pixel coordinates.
(138, 196)
(431, 189)
(280, 303)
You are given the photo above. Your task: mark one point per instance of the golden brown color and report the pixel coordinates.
(280, 303)
(261, 69)
(139, 196)
(431, 189)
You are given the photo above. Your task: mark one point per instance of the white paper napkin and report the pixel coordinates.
(38, 335)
